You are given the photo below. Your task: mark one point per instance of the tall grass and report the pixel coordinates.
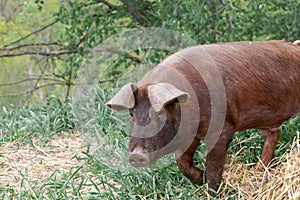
(44, 120)
(105, 173)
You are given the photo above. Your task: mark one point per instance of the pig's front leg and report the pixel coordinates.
(186, 165)
(215, 159)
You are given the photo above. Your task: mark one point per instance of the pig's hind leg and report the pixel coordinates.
(186, 165)
(271, 137)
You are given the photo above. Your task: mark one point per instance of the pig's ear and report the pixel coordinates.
(124, 99)
(162, 93)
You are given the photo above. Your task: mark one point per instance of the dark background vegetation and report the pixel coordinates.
(43, 44)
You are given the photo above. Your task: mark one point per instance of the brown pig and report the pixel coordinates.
(209, 92)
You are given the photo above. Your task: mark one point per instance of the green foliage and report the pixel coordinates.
(219, 21)
(82, 25)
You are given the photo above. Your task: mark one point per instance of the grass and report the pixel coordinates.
(97, 165)
(44, 120)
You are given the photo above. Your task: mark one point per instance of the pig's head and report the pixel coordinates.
(155, 114)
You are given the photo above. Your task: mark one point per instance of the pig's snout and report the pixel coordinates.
(137, 158)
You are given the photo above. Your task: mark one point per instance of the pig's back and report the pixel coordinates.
(261, 79)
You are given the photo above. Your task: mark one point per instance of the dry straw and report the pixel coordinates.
(280, 181)
(36, 163)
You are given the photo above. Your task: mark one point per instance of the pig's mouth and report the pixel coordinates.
(139, 158)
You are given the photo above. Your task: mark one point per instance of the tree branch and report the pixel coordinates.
(134, 10)
(40, 53)
(144, 16)
(30, 34)
(50, 53)
(32, 45)
(81, 39)
(72, 51)
(116, 51)
(111, 6)
(31, 90)
(31, 79)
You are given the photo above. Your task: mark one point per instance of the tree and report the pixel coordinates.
(57, 47)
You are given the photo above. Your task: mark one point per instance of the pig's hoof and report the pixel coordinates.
(139, 160)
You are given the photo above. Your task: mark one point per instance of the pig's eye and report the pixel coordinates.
(153, 113)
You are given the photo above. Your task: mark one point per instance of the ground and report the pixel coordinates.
(27, 167)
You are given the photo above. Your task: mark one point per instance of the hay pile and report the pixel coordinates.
(280, 182)
(33, 163)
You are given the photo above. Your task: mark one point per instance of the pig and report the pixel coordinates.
(209, 92)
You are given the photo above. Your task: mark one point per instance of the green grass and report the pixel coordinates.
(44, 120)
(105, 162)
